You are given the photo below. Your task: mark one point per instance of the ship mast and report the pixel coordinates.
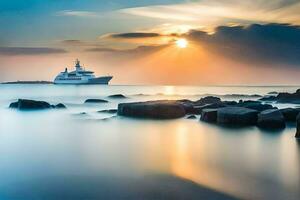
(77, 65)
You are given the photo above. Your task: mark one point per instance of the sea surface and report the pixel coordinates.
(79, 153)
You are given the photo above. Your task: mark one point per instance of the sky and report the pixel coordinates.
(228, 42)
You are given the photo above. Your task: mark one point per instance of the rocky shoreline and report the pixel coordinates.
(211, 109)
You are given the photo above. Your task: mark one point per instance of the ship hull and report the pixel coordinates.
(103, 80)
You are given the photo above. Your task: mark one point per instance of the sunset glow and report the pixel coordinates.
(182, 43)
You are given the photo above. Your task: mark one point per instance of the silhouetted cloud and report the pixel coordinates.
(11, 51)
(134, 51)
(267, 43)
(134, 35)
(102, 50)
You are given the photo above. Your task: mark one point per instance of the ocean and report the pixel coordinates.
(80, 153)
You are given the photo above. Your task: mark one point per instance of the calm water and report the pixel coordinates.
(64, 155)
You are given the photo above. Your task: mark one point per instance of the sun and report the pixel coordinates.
(182, 43)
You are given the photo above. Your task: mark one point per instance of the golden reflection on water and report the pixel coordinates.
(185, 164)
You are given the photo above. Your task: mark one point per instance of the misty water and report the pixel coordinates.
(64, 154)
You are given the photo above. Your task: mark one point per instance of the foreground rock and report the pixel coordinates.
(209, 115)
(117, 96)
(26, 104)
(96, 101)
(237, 116)
(152, 109)
(284, 97)
(298, 127)
(290, 114)
(271, 119)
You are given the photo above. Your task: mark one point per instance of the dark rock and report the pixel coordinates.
(271, 119)
(117, 96)
(284, 97)
(26, 104)
(290, 114)
(298, 127)
(268, 98)
(209, 115)
(273, 92)
(238, 116)
(210, 106)
(230, 103)
(60, 106)
(208, 100)
(255, 105)
(111, 111)
(192, 117)
(152, 109)
(96, 101)
(188, 106)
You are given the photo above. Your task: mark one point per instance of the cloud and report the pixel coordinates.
(12, 51)
(215, 12)
(77, 13)
(102, 50)
(134, 35)
(144, 49)
(269, 43)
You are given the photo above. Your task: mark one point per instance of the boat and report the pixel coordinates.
(80, 76)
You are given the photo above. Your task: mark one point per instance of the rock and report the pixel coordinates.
(111, 111)
(117, 96)
(273, 92)
(290, 114)
(298, 127)
(96, 101)
(152, 109)
(26, 104)
(208, 100)
(60, 106)
(255, 105)
(284, 97)
(209, 115)
(236, 116)
(271, 119)
(210, 106)
(192, 117)
(188, 106)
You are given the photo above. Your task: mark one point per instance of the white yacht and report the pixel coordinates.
(80, 76)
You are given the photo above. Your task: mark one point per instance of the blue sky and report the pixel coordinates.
(36, 22)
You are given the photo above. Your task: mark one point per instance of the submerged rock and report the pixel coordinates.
(192, 117)
(111, 111)
(236, 116)
(152, 109)
(271, 119)
(60, 106)
(117, 96)
(290, 114)
(209, 115)
(298, 127)
(96, 101)
(26, 104)
(255, 105)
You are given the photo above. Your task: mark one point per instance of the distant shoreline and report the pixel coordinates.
(28, 82)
